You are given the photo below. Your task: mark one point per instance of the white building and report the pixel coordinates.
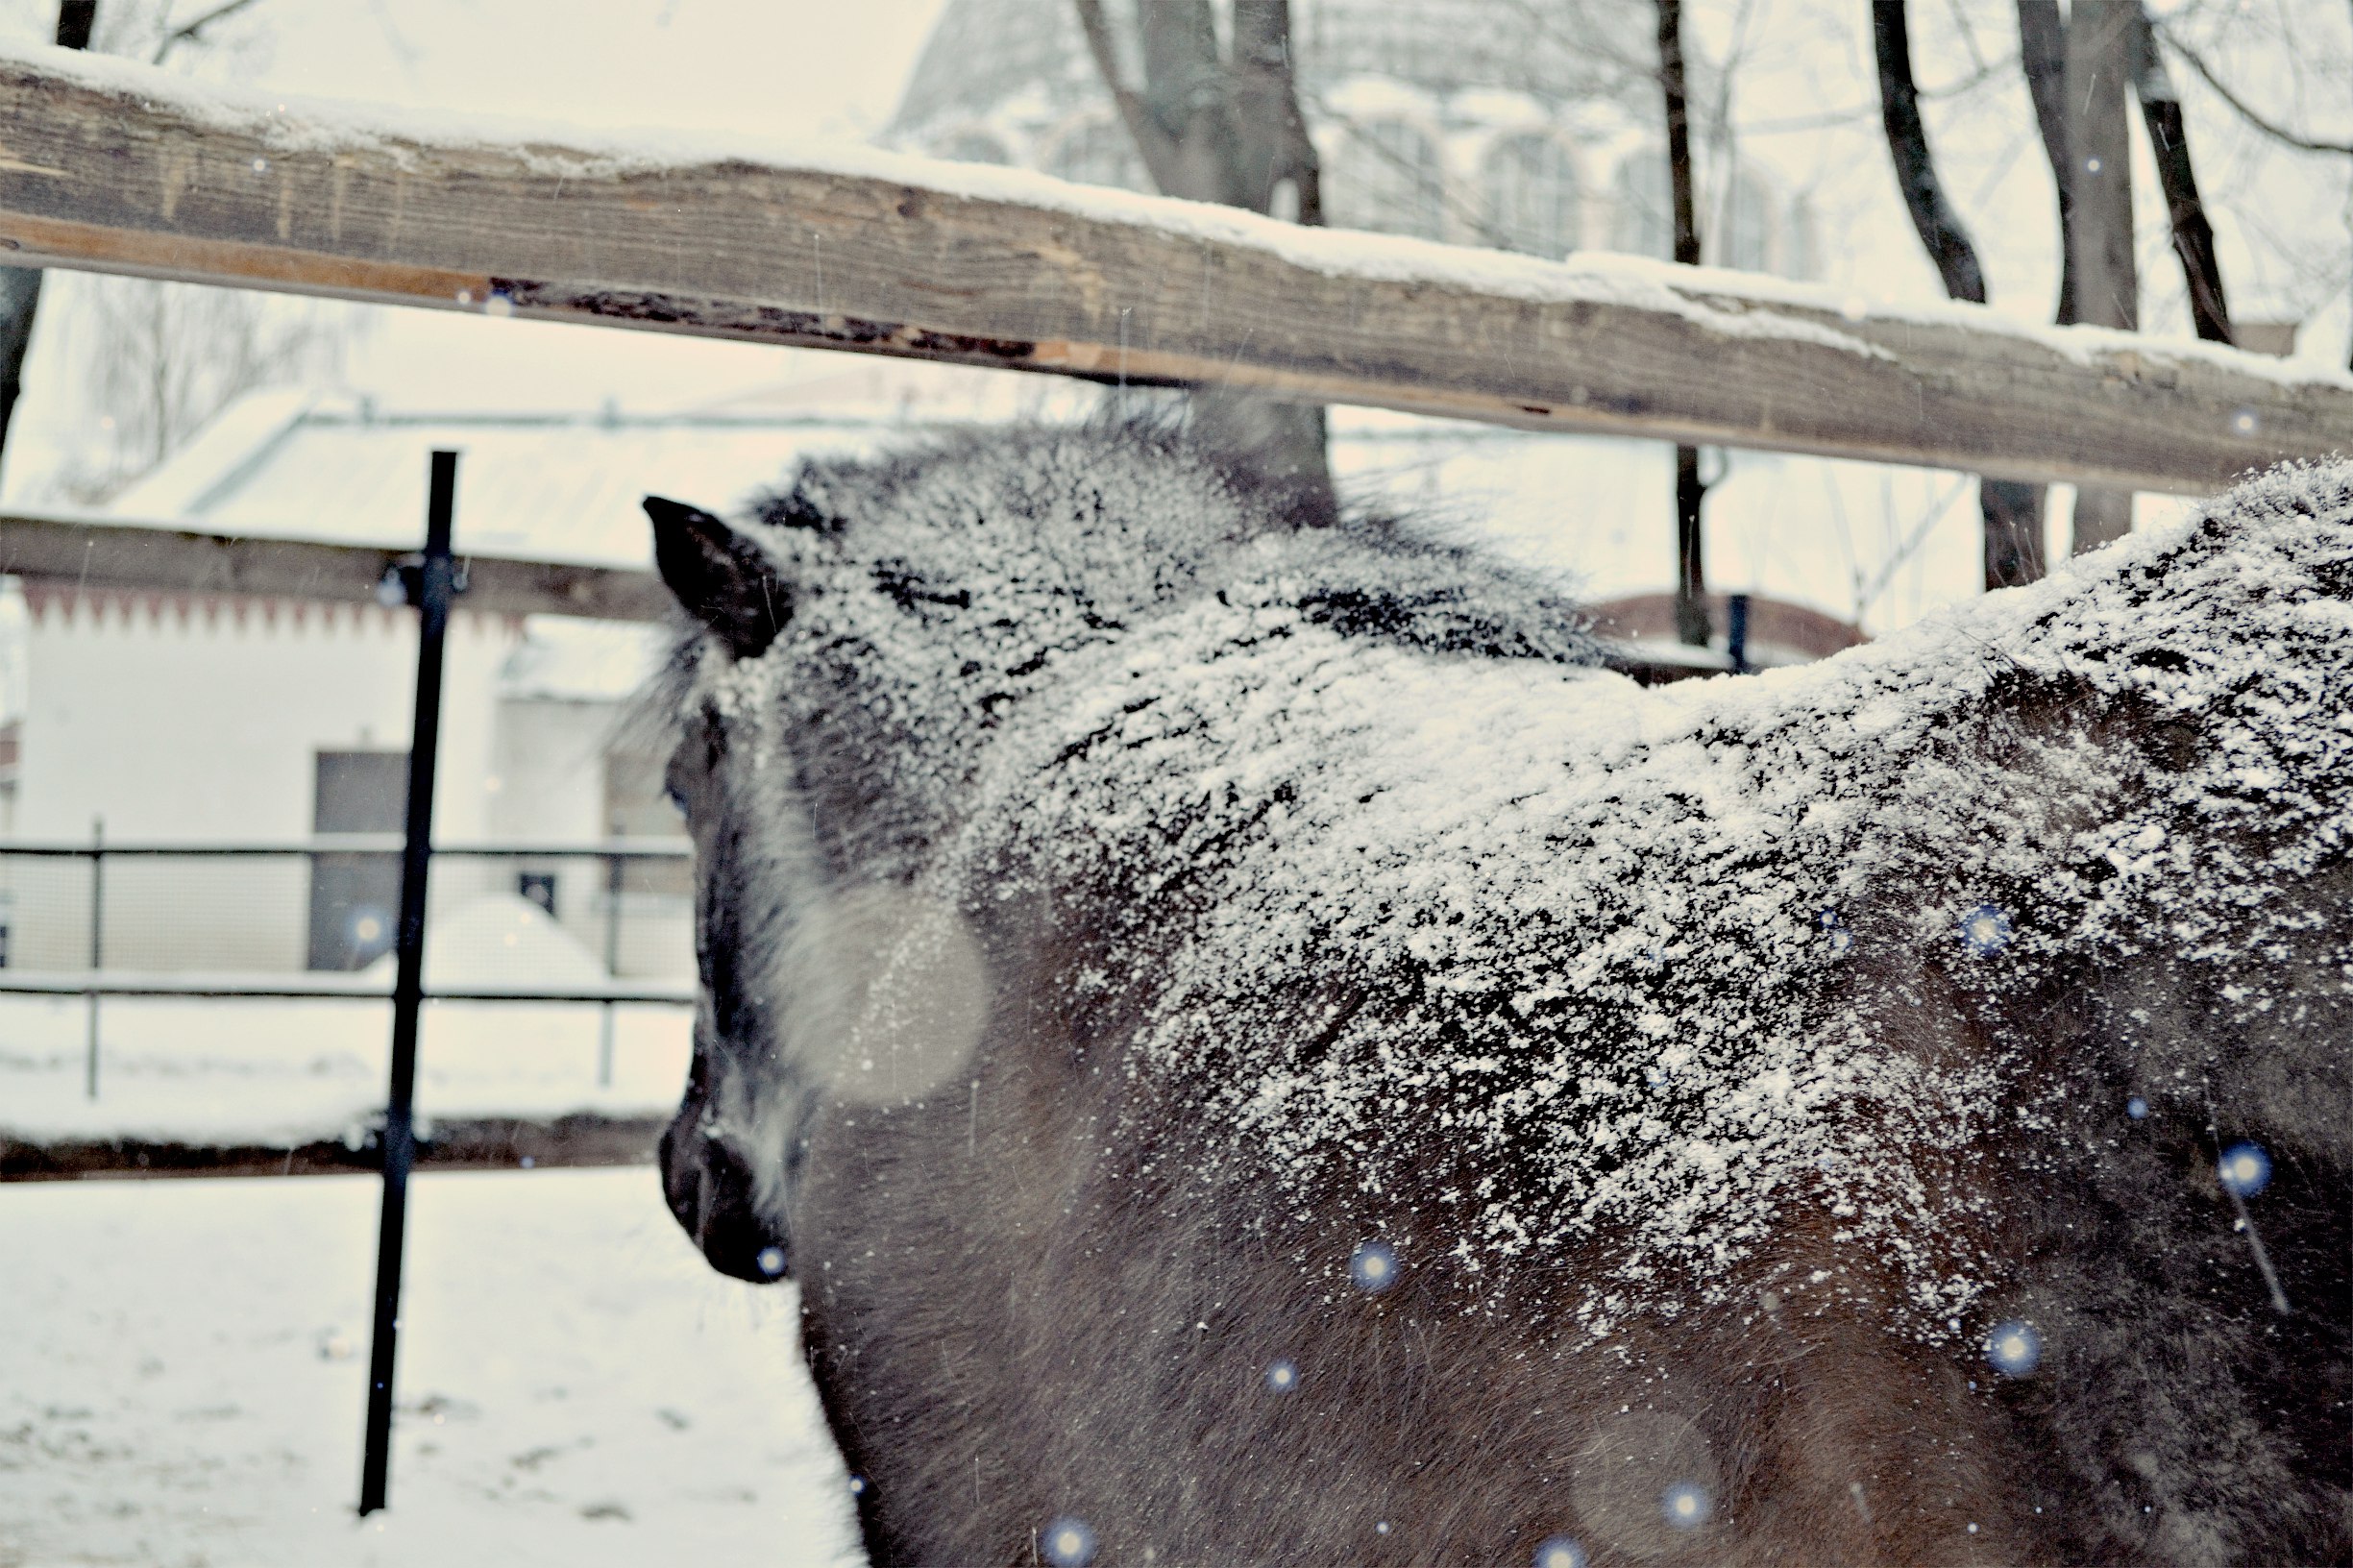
(220, 718)
(1458, 120)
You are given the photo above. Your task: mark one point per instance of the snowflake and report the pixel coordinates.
(2015, 1348)
(1560, 1552)
(1067, 1543)
(2244, 1169)
(1686, 1504)
(1985, 931)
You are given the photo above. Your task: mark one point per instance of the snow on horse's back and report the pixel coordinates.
(1256, 1048)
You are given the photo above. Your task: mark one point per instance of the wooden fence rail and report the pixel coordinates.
(114, 167)
(97, 552)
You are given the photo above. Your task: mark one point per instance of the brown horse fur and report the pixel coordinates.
(1127, 918)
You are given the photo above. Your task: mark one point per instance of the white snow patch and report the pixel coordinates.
(185, 1368)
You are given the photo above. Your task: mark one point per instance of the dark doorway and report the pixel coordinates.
(356, 899)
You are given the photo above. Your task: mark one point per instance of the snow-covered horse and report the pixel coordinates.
(1256, 1051)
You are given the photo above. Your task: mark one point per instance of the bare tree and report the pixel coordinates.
(165, 357)
(2041, 48)
(2100, 73)
(2013, 512)
(1226, 128)
(2169, 140)
(195, 29)
(2284, 134)
(2326, 74)
(154, 361)
(1691, 621)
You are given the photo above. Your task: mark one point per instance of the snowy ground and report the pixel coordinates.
(181, 1367)
(280, 1073)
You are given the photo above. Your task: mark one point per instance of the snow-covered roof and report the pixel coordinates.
(562, 487)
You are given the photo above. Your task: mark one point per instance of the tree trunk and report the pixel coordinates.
(2042, 43)
(21, 287)
(1933, 218)
(1229, 132)
(1274, 140)
(2169, 139)
(1189, 97)
(2012, 513)
(2100, 73)
(1691, 622)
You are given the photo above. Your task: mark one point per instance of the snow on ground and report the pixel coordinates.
(280, 1073)
(182, 1362)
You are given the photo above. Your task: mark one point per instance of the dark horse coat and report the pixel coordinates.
(1256, 1051)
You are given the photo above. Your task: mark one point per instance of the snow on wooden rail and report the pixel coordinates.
(116, 167)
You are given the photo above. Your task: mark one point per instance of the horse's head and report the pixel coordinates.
(851, 648)
(719, 1141)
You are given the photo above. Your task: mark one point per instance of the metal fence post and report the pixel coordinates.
(98, 950)
(434, 591)
(612, 962)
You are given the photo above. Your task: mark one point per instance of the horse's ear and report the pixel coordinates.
(721, 578)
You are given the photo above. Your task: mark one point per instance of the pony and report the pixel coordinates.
(1256, 1047)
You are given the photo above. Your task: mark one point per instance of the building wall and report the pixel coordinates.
(190, 717)
(552, 771)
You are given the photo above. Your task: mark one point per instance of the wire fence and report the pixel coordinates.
(606, 923)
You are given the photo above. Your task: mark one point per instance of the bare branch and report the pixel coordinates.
(1449, 197)
(1937, 224)
(2042, 54)
(2169, 139)
(2277, 132)
(2012, 512)
(1677, 105)
(1159, 150)
(1691, 617)
(193, 31)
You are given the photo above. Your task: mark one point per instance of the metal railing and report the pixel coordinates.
(608, 923)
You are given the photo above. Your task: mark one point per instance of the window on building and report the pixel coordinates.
(974, 147)
(1387, 178)
(537, 888)
(1645, 200)
(1097, 153)
(355, 899)
(1532, 196)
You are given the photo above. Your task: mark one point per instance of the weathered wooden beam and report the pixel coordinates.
(113, 167)
(96, 553)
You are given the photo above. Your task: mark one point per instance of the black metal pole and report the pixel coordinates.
(409, 978)
(612, 962)
(98, 949)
